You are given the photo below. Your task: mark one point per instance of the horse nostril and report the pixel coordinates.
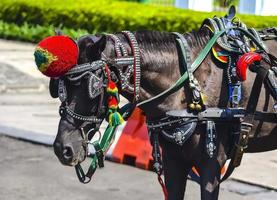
(68, 153)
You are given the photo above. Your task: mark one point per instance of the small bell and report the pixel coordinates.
(192, 106)
(198, 107)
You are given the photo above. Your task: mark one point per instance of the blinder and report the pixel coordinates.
(53, 87)
(95, 85)
(57, 89)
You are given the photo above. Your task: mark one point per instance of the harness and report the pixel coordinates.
(176, 126)
(237, 42)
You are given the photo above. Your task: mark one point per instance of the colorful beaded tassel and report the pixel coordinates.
(115, 117)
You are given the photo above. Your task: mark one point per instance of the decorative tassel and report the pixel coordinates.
(112, 88)
(112, 103)
(115, 117)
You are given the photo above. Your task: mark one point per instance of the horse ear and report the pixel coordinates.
(101, 43)
(95, 49)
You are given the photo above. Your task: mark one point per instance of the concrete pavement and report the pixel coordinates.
(30, 171)
(28, 112)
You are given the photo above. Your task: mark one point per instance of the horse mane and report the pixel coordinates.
(159, 48)
(155, 40)
(165, 41)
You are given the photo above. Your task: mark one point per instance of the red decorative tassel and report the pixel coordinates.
(112, 88)
(115, 117)
(112, 103)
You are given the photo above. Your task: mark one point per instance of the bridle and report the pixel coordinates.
(98, 74)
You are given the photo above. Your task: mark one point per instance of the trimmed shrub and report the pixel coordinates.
(111, 16)
(33, 33)
(38, 18)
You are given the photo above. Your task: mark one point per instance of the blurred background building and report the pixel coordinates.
(256, 7)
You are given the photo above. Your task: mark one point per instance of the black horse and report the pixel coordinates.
(160, 69)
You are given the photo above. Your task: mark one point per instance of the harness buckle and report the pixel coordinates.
(62, 111)
(275, 107)
(241, 145)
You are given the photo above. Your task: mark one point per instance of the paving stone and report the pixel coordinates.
(12, 79)
(268, 195)
(241, 188)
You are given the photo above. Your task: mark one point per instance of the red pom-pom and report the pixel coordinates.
(56, 55)
(112, 102)
(112, 88)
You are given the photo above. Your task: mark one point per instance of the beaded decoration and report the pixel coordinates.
(115, 117)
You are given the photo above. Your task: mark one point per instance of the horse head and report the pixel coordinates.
(83, 106)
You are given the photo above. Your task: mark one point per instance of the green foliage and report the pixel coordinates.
(33, 33)
(39, 17)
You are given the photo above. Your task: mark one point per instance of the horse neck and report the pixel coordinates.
(160, 68)
(271, 46)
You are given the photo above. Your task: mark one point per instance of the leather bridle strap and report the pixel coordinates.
(242, 142)
(185, 63)
(100, 146)
(137, 73)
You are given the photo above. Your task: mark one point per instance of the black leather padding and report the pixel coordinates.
(54, 87)
(179, 135)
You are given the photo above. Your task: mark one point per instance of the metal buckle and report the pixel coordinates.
(62, 111)
(246, 127)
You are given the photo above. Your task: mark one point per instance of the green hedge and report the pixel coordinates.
(33, 33)
(109, 16)
(98, 16)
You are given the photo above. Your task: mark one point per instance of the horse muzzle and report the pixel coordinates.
(68, 155)
(69, 146)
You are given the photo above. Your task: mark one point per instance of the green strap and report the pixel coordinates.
(203, 54)
(100, 146)
(108, 137)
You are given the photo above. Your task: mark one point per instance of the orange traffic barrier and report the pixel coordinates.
(133, 146)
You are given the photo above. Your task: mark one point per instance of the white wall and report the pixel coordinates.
(199, 5)
(258, 7)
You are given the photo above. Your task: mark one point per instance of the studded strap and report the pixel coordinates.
(137, 73)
